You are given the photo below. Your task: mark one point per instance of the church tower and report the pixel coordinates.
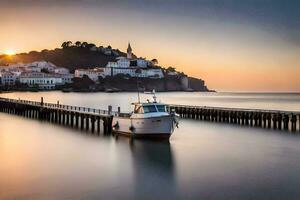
(129, 51)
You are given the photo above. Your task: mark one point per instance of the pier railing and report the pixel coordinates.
(64, 107)
(237, 109)
(79, 116)
(276, 119)
(74, 116)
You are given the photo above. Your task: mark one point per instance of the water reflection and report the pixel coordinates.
(204, 160)
(153, 168)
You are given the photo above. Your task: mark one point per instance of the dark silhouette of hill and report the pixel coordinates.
(71, 57)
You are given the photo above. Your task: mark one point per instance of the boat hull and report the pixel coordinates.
(157, 136)
(154, 127)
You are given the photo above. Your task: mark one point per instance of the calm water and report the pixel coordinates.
(203, 160)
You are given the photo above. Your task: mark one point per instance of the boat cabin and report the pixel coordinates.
(143, 108)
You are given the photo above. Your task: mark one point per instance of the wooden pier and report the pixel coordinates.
(91, 119)
(271, 119)
(73, 116)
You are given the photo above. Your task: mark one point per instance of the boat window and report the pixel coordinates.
(149, 109)
(161, 108)
(138, 109)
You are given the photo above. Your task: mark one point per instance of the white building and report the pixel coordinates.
(124, 71)
(41, 65)
(67, 78)
(41, 80)
(137, 72)
(93, 74)
(33, 69)
(61, 70)
(17, 71)
(31, 74)
(8, 78)
(141, 63)
(122, 62)
(154, 73)
(129, 61)
(134, 67)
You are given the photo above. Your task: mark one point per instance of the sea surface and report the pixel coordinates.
(202, 160)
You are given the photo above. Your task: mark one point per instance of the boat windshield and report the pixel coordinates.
(161, 108)
(138, 109)
(149, 108)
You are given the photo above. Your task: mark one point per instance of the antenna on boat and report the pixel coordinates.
(154, 97)
(139, 100)
(138, 71)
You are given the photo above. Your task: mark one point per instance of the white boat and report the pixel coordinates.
(148, 120)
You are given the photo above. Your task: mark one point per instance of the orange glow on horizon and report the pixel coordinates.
(228, 56)
(9, 52)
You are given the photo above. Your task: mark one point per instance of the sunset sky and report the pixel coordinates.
(234, 45)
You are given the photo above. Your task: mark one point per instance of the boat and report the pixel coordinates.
(148, 120)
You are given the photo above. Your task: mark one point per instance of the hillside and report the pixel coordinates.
(70, 57)
(86, 55)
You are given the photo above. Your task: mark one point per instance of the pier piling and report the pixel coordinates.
(91, 119)
(278, 120)
(65, 115)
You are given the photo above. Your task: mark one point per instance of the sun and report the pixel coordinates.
(10, 52)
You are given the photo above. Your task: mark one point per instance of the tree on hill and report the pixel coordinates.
(84, 44)
(89, 46)
(78, 44)
(33, 52)
(171, 69)
(154, 61)
(67, 44)
(64, 45)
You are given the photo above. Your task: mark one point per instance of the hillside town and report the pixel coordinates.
(46, 76)
(119, 73)
(128, 66)
(41, 74)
